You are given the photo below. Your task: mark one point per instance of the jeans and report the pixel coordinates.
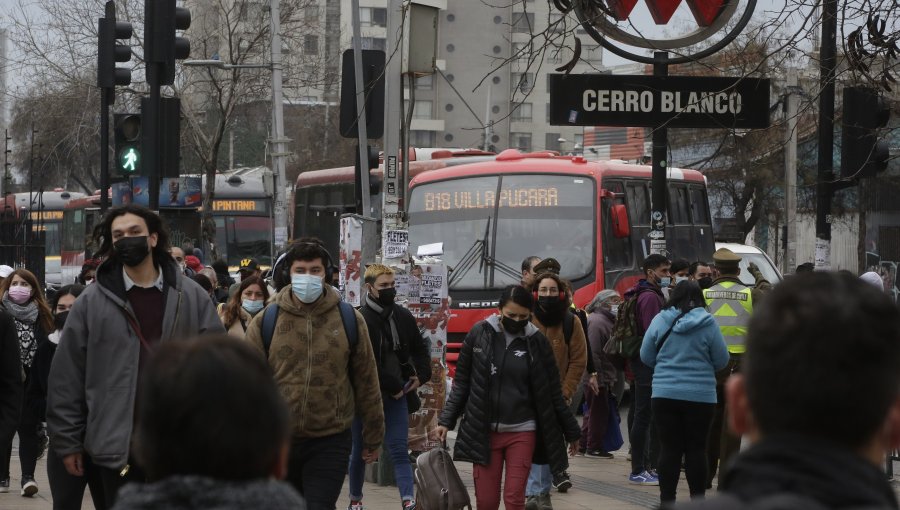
(638, 435)
(317, 466)
(68, 490)
(596, 418)
(683, 432)
(514, 450)
(540, 481)
(396, 433)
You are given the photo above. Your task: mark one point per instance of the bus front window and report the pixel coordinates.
(536, 214)
(243, 237)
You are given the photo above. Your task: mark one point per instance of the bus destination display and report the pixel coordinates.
(480, 199)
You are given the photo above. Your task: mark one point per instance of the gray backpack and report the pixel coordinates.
(438, 482)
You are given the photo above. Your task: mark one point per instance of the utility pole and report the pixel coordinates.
(279, 150)
(790, 172)
(824, 187)
(659, 171)
(363, 142)
(391, 216)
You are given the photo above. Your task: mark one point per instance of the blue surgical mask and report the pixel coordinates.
(306, 287)
(252, 306)
(679, 279)
(665, 281)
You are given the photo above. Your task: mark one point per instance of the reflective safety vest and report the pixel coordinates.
(732, 306)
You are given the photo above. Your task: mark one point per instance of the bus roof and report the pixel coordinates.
(513, 161)
(49, 200)
(347, 173)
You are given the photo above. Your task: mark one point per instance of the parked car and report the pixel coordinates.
(753, 254)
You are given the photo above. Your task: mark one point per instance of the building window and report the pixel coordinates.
(421, 138)
(593, 54)
(579, 139)
(557, 25)
(521, 50)
(521, 112)
(551, 142)
(422, 109)
(425, 82)
(311, 14)
(523, 22)
(373, 17)
(524, 82)
(373, 43)
(310, 44)
(521, 141)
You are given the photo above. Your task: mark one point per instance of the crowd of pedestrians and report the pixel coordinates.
(131, 365)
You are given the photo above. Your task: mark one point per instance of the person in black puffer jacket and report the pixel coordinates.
(507, 390)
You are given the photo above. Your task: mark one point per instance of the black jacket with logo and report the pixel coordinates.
(471, 399)
(414, 355)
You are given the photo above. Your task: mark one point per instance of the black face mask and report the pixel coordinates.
(132, 250)
(513, 326)
(550, 310)
(59, 320)
(705, 282)
(386, 297)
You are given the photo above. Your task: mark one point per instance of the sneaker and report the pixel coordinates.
(4, 485)
(409, 504)
(561, 482)
(544, 501)
(356, 505)
(582, 451)
(533, 503)
(643, 478)
(29, 487)
(598, 454)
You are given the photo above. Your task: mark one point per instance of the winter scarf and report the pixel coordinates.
(385, 314)
(25, 313)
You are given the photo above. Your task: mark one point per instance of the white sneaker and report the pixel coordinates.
(29, 487)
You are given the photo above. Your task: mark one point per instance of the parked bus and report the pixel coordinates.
(593, 217)
(322, 196)
(45, 210)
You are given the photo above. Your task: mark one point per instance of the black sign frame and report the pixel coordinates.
(659, 101)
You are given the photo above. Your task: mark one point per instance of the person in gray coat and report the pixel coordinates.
(140, 300)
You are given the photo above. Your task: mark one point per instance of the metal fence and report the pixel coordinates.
(22, 246)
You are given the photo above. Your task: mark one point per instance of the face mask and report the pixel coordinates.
(132, 250)
(679, 279)
(614, 310)
(252, 306)
(705, 282)
(665, 281)
(306, 287)
(19, 294)
(59, 320)
(548, 302)
(386, 297)
(513, 326)
(182, 266)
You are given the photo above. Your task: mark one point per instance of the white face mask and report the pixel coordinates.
(614, 310)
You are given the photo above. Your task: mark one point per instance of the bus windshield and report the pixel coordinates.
(244, 237)
(504, 218)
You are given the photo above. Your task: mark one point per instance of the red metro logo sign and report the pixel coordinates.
(607, 20)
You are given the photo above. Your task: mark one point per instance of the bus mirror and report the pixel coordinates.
(619, 217)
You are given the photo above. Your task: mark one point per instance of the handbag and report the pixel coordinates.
(613, 440)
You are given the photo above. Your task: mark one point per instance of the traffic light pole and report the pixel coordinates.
(659, 168)
(824, 187)
(279, 149)
(362, 149)
(150, 129)
(104, 148)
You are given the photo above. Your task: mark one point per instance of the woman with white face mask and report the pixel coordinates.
(23, 298)
(249, 300)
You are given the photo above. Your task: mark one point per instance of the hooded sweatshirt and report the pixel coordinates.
(322, 381)
(191, 492)
(511, 399)
(685, 368)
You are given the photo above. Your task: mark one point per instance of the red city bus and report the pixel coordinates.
(593, 217)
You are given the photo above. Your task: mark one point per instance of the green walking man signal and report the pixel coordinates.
(129, 161)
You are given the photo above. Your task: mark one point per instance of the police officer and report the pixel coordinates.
(731, 304)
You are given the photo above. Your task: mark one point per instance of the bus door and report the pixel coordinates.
(617, 253)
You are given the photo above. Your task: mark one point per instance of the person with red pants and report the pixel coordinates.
(507, 385)
(601, 317)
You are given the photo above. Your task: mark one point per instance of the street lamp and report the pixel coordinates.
(279, 151)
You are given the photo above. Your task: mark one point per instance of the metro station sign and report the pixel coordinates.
(659, 101)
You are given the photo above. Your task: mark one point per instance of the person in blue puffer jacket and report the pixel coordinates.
(685, 348)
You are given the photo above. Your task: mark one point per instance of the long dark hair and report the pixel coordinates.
(103, 234)
(73, 290)
(686, 296)
(232, 311)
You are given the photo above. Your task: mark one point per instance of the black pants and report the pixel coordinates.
(723, 445)
(68, 490)
(317, 467)
(640, 427)
(26, 427)
(683, 431)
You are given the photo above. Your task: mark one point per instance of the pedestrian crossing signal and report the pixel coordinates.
(128, 144)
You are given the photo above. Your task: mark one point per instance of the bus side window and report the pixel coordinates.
(617, 253)
(638, 203)
(699, 206)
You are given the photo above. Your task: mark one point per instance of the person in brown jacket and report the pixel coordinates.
(324, 377)
(571, 359)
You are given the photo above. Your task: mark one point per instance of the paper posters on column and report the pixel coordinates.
(351, 268)
(396, 243)
(424, 288)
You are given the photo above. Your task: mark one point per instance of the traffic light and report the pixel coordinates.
(128, 144)
(161, 46)
(109, 51)
(371, 163)
(862, 154)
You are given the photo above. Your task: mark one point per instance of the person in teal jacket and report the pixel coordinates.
(685, 348)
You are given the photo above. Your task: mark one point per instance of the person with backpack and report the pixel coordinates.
(642, 303)
(319, 350)
(508, 388)
(404, 362)
(553, 318)
(685, 348)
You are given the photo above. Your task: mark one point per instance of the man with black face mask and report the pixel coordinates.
(140, 299)
(571, 360)
(404, 363)
(702, 273)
